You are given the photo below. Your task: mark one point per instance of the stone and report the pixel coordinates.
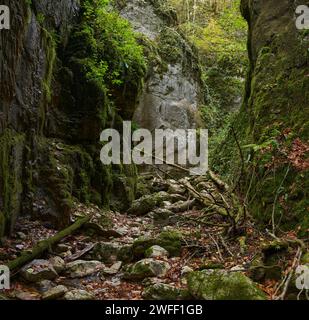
(110, 252)
(223, 285)
(147, 203)
(156, 252)
(177, 189)
(161, 291)
(38, 270)
(114, 269)
(55, 293)
(161, 216)
(78, 294)
(169, 240)
(146, 268)
(58, 263)
(45, 285)
(81, 268)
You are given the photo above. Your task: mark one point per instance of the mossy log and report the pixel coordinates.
(44, 245)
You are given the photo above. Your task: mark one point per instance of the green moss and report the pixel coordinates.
(11, 169)
(273, 116)
(220, 285)
(169, 240)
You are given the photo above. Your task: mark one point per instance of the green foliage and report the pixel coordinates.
(114, 56)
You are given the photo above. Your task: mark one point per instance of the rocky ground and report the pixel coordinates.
(167, 246)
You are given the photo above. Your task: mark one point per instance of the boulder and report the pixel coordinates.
(146, 268)
(147, 203)
(161, 291)
(81, 268)
(114, 269)
(58, 263)
(223, 285)
(111, 252)
(38, 270)
(78, 294)
(156, 252)
(161, 216)
(55, 293)
(169, 240)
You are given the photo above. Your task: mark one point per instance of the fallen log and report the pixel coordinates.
(44, 245)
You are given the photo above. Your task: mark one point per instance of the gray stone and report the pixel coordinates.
(161, 291)
(38, 270)
(81, 268)
(147, 203)
(55, 293)
(223, 285)
(146, 268)
(156, 252)
(58, 263)
(114, 269)
(78, 294)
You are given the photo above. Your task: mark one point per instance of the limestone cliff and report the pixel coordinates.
(273, 127)
(66, 74)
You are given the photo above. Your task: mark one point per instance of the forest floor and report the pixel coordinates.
(206, 243)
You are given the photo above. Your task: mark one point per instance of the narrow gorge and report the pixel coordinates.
(73, 228)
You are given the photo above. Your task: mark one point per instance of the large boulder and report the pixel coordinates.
(38, 270)
(146, 268)
(223, 285)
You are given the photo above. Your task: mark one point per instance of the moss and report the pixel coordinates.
(49, 45)
(274, 114)
(162, 291)
(11, 170)
(220, 285)
(169, 240)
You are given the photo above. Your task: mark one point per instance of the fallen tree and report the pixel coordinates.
(45, 245)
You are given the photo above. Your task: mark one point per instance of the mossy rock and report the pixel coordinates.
(161, 291)
(146, 268)
(169, 240)
(223, 285)
(147, 203)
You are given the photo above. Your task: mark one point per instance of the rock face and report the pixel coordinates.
(51, 115)
(171, 94)
(274, 117)
(222, 285)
